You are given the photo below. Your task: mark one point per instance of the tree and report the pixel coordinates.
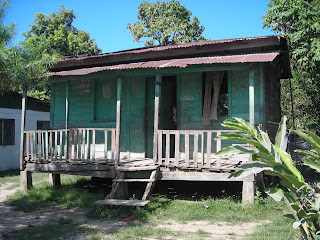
(54, 33)
(163, 23)
(299, 21)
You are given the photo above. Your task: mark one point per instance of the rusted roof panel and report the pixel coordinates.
(175, 63)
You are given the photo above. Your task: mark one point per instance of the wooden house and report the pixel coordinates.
(149, 114)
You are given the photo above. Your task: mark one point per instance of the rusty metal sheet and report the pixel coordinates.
(176, 63)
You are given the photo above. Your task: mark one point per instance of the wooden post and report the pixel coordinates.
(118, 123)
(156, 117)
(23, 119)
(247, 192)
(251, 95)
(25, 181)
(54, 180)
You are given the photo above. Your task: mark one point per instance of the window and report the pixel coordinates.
(215, 96)
(43, 125)
(6, 132)
(105, 100)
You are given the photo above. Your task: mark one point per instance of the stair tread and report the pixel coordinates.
(134, 180)
(133, 168)
(119, 202)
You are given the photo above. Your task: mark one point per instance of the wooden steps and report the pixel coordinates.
(119, 202)
(119, 186)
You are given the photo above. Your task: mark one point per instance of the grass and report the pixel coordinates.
(77, 191)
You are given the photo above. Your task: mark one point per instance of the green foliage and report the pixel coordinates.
(299, 196)
(299, 21)
(163, 23)
(54, 33)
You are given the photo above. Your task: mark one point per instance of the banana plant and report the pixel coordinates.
(272, 159)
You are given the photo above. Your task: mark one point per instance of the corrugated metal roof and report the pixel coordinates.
(175, 63)
(174, 46)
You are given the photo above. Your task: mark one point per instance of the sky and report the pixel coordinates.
(106, 20)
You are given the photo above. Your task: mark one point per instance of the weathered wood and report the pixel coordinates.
(251, 95)
(167, 155)
(218, 142)
(156, 117)
(133, 180)
(195, 150)
(136, 169)
(25, 181)
(93, 156)
(209, 137)
(247, 193)
(186, 149)
(106, 144)
(54, 180)
(118, 202)
(23, 119)
(177, 148)
(113, 143)
(160, 134)
(27, 136)
(118, 122)
(150, 185)
(88, 145)
(202, 148)
(66, 167)
(39, 146)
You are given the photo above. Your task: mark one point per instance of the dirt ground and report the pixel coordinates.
(15, 220)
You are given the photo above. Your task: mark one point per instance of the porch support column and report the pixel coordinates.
(156, 116)
(118, 122)
(248, 184)
(54, 180)
(23, 119)
(67, 105)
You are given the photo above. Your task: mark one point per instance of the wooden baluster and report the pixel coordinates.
(105, 145)
(27, 144)
(113, 144)
(160, 132)
(93, 144)
(177, 148)
(88, 145)
(218, 149)
(39, 146)
(55, 146)
(202, 149)
(209, 137)
(79, 143)
(83, 132)
(167, 147)
(75, 144)
(186, 147)
(48, 138)
(61, 144)
(195, 149)
(69, 135)
(32, 145)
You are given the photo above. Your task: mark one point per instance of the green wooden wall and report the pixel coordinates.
(92, 103)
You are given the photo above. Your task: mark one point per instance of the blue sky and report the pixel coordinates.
(106, 20)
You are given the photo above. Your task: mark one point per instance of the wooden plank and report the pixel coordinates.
(67, 167)
(133, 180)
(23, 119)
(93, 156)
(118, 122)
(209, 137)
(251, 94)
(27, 136)
(166, 132)
(75, 143)
(186, 147)
(79, 143)
(118, 202)
(137, 169)
(39, 146)
(61, 144)
(33, 146)
(157, 94)
(202, 149)
(69, 143)
(159, 147)
(195, 150)
(113, 143)
(88, 145)
(83, 132)
(218, 142)
(106, 144)
(177, 148)
(150, 185)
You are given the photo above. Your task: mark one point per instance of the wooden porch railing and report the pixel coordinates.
(80, 144)
(190, 148)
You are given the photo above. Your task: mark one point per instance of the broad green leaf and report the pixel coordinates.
(265, 141)
(233, 150)
(281, 133)
(286, 159)
(250, 168)
(275, 193)
(312, 138)
(312, 164)
(309, 153)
